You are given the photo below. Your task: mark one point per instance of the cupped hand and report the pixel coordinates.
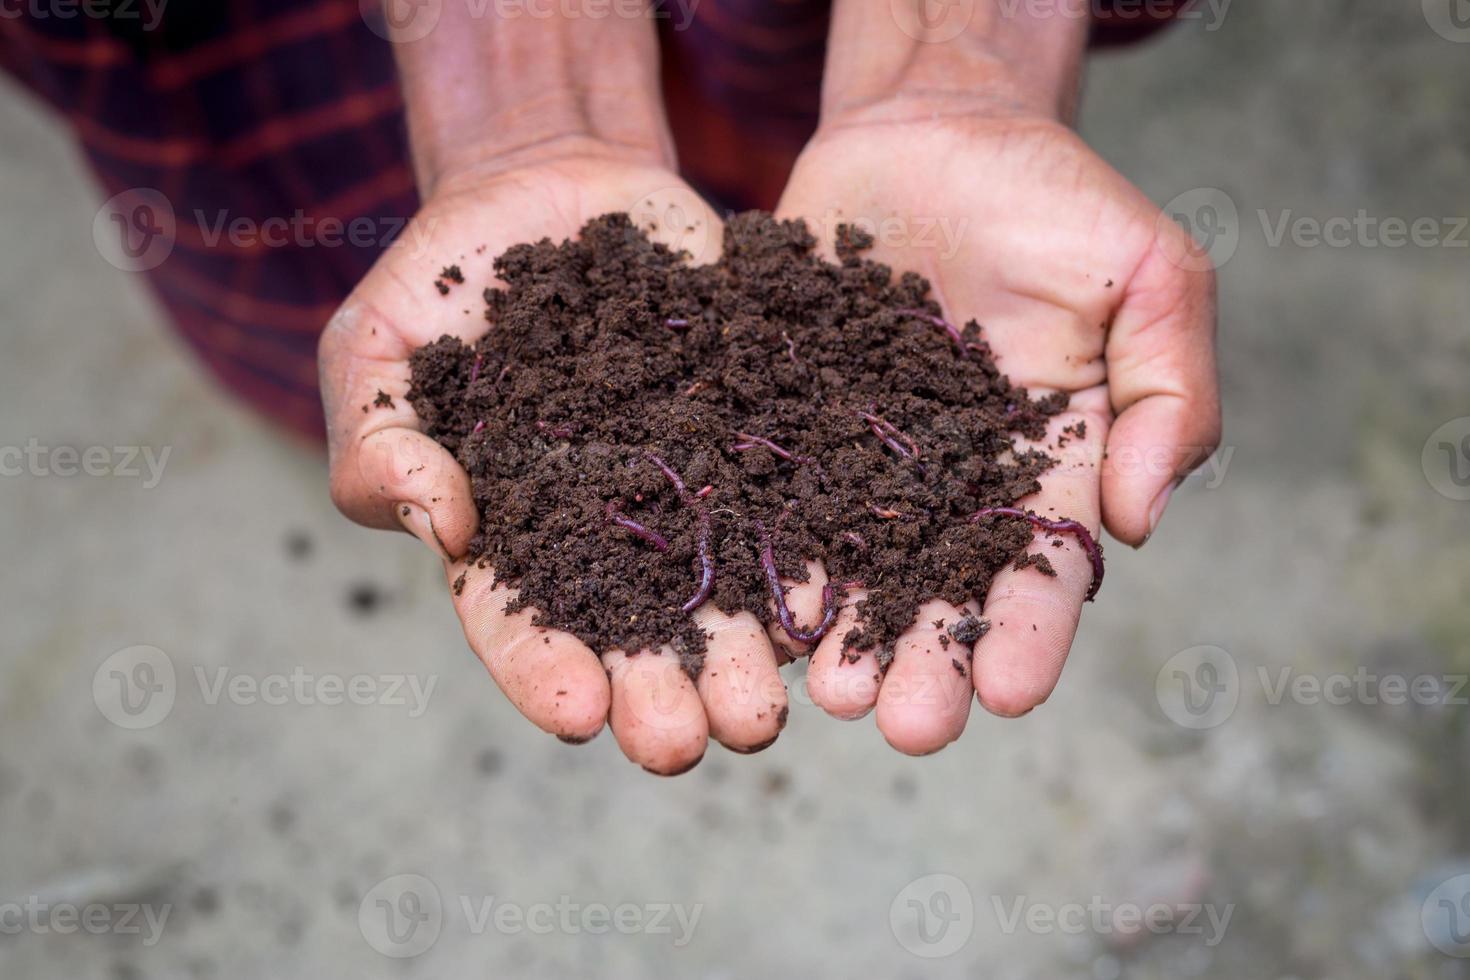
(386, 473)
(1080, 286)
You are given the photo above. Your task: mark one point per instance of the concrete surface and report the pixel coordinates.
(1331, 834)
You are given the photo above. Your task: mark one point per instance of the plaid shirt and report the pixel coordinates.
(287, 114)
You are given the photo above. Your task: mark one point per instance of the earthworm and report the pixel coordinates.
(751, 442)
(624, 521)
(706, 565)
(706, 559)
(891, 436)
(790, 348)
(674, 323)
(475, 369)
(1065, 526)
(783, 612)
(857, 540)
(668, 471)
(478, 426)
(939, 321)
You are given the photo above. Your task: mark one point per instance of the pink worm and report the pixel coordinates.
(1065, 526)
(783, 611)
(658, 541)
(752, 442)
(706, 559)
(941, 322)
(890, 435)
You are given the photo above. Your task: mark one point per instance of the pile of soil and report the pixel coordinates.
(631, 424)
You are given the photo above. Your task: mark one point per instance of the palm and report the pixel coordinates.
(386, 473)
(1018, 226)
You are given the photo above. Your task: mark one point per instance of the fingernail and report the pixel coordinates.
(416, 521)
(1156, 509)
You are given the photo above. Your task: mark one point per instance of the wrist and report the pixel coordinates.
(897, 59)
(486, 92)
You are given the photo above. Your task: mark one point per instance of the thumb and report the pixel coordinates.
(385, 473)
(1162, 383)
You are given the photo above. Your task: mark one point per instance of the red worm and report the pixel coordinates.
(668, 471)
(706, 565)
(790, 348)
(751, 442)
(1065, 526)
(891, 436)
(658, 541)
(475, 370)
(674, 323)
(478, 426)
(783, 612)
(706, 559)
(941, 322)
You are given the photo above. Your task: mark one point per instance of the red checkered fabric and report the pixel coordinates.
(286, 114)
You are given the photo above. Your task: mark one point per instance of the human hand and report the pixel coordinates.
(529, 154)
(1080, 287)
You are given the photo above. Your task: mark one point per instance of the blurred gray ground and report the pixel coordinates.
(1323, 830)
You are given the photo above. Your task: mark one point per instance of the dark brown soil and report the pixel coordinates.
(822, 407)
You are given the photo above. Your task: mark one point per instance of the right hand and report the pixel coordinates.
(386, 473)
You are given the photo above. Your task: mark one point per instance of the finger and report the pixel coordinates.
(844, 683)
(1032, 616)
(742, 691)
(1163, 385)
(551, 677)
(925, 697)
(656, 715)
(804, 599)
(385, 473)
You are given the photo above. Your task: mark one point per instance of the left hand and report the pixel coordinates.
(1080, 287)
